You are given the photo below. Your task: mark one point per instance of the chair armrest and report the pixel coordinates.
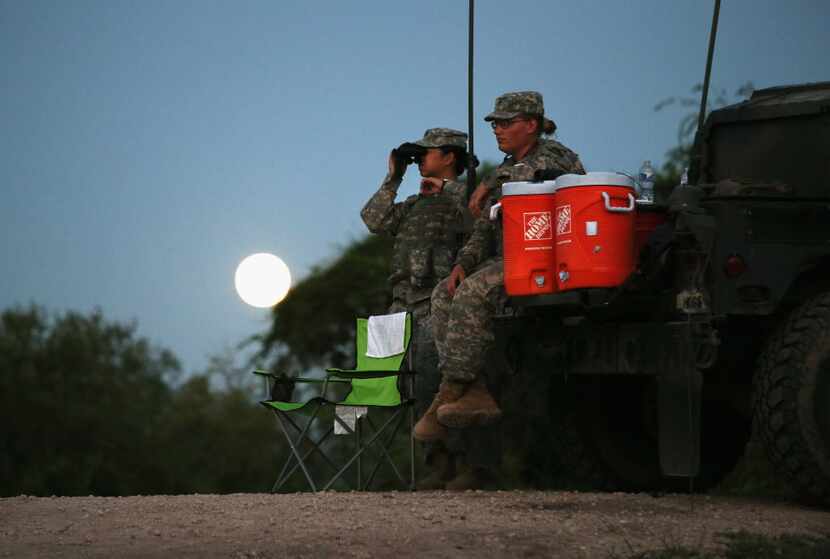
(280, 378)
(319, 380)
(263, 373)
(277, 379)
(351, 373)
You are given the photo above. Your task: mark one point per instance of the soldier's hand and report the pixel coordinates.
(431, 186)
(397, 167)
(456, 277)
(477, 199)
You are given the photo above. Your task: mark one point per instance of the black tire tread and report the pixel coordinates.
(778, 378)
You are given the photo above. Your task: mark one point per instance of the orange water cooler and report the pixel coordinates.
(646, 219)
(527, 220)
(594, 219)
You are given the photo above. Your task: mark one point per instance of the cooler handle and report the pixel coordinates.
(494, 211)
(618, 209)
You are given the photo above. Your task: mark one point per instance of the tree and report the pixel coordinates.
(214, 441)
(678, 157)
(87, 407)
(78, 397)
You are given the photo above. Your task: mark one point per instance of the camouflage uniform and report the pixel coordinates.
(427, 236)
(408, 221)
(425, 228)
(463, 325)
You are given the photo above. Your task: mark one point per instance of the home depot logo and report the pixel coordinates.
(563, 220)
(537, 226)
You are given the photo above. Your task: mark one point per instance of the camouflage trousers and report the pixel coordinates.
(424, 356)
(463, 324)
(477, 447)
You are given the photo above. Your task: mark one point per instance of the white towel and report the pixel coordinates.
(385, 335)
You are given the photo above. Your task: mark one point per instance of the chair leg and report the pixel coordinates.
(359, 452)
(298, 455)
(316, 446)
(359, 460)
(282, 478)
(411, 404)
(383, 448)
(356, 433)
(411, 410)
(295, 453)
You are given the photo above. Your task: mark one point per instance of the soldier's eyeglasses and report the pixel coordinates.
(504, 123)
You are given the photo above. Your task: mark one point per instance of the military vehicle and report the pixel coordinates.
(725, 322)
(726, 318)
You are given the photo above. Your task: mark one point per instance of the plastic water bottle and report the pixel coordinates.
(646, 179)
(684, 178)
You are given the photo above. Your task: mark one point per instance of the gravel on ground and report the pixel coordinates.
(390, 524)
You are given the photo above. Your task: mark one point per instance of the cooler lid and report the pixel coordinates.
(595, 179)
(527, 187)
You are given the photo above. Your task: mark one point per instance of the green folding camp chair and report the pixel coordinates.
(373, 383)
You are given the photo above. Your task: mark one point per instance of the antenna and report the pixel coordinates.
(471, 166)
(701, 117)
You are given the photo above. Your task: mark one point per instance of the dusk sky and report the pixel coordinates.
(146, 147)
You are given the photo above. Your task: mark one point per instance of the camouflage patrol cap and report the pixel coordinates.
(511, 105)
(442, 137)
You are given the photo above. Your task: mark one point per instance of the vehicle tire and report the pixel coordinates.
(792, 400)
(618, 419)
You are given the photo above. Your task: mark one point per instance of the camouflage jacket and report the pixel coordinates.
(426, 230)
(486, 239)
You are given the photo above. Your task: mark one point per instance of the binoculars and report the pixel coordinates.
(408, 153)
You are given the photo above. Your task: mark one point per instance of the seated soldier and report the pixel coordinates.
(463, 305)
(426, 228)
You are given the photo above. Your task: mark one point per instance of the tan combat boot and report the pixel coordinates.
(470, 478)
(476, 408)
(441, 468)
(428, 429)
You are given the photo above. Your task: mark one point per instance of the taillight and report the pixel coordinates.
(735, 266)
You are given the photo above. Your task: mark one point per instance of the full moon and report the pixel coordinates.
(262, 280)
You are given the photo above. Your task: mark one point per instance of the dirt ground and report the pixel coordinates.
(424, 524)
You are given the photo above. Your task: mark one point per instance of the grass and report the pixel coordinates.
(745, 545)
